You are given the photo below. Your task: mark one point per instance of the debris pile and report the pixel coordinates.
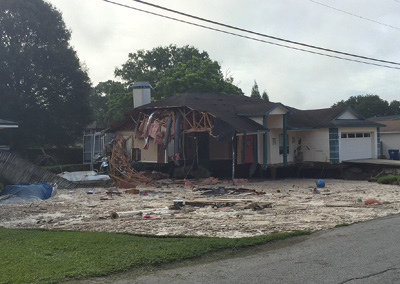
(172, 208)
(120, 168)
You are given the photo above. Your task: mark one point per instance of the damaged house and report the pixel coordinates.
(221, 132)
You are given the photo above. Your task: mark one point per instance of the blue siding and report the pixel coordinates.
(334, 145)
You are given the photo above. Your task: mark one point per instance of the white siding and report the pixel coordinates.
(149, 155)
(390, 141)
(314, 144)
(348, 115)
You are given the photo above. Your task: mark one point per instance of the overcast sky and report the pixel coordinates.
(104, 34)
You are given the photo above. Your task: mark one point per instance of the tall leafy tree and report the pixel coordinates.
(255, 93)
(171, 70)
(109, 100)
(371, 105)
(394, 107)
(43, 85)
(196, 75)
(265, 96)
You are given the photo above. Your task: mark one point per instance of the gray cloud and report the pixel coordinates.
(104, 34)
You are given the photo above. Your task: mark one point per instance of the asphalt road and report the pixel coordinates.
(367, 252)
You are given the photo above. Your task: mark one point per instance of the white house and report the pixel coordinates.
(211, 127)
(390, 133)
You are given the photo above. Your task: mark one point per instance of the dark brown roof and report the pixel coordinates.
(217, 104)
(324, 118)
(385, 118)
(223, 106)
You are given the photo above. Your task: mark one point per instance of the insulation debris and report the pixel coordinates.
(170, 208)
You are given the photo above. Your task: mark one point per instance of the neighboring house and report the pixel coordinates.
(213, 127)
(390, 133)
(5, 124)
(334, 135)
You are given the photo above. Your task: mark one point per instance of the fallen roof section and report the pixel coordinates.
(225, 108)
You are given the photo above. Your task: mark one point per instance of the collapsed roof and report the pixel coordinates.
(225, 108)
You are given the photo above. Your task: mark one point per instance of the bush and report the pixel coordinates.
(389, 180)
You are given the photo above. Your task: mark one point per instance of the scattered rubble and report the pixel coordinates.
(220, 209)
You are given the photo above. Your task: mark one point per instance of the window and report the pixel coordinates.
(281, 144)
(355, 135)
(136, 154)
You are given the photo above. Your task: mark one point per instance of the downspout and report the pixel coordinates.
(265, 144)
(285, 142)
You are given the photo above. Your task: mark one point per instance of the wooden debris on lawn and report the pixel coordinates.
(120, 168)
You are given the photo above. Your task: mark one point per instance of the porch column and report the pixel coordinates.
(233, 158)
(285, 142)
(265, 142)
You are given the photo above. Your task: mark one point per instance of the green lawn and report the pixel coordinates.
(44, 256)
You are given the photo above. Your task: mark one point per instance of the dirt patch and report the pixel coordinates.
(219, 209)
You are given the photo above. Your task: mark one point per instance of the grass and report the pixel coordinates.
(49, 256)
(389, 180)
(342, 225)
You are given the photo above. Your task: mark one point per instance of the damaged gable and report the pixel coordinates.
(216, 113)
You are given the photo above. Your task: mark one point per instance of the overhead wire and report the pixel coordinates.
(257, 39)
(354, 15)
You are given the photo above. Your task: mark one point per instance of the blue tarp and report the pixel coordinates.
(25, 192)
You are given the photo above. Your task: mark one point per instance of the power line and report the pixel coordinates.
(263, 35)
(354, 15)
(256, 39)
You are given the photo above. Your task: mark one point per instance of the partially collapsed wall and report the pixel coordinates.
(15, 169)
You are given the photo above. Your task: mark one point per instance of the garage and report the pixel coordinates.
(355, 145)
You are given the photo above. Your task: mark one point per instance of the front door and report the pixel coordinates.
(249, 149)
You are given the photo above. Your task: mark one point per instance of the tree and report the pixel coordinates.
(109, 101)
(394, 107)
(171, 70)
(371, 105)
(43, 86)
(265, 96)
(196, 75)
(255, 93)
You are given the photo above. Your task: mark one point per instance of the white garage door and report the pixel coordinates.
(355, 145)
